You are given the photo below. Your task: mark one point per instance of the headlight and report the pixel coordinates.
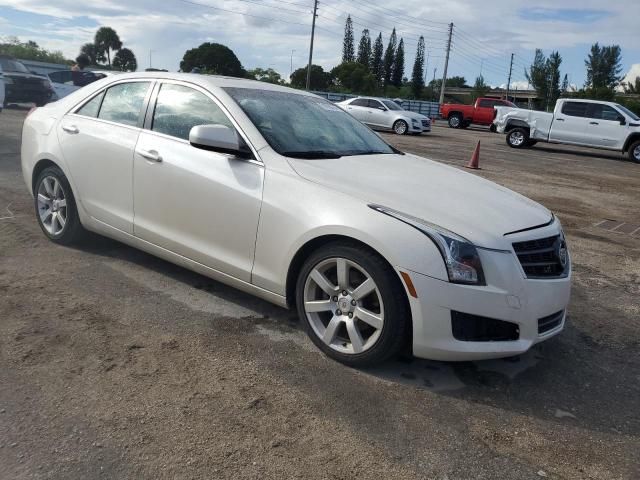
(415, 122)
(460, 256)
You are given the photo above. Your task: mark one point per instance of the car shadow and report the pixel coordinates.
(567, 379)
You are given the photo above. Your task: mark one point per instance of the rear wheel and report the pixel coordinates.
(492, 128)
(634, 152)
(55, 207)
(517, 138)
(455, 120)
(352, 305)
(400, 127)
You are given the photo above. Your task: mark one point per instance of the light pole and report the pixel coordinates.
(150, 52)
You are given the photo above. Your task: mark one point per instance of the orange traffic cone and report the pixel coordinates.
(475, 159)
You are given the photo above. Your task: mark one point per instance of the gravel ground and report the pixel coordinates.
(114, 364)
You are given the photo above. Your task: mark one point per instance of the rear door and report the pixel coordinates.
(98, 140)
(201, 204)
(605, 129)
(359, 108)
(571, 124)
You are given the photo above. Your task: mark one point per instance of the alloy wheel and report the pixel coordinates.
(343, 305)
(636, 153)
(517, 138)
(400, 127)
(52, 205)
(454, 121)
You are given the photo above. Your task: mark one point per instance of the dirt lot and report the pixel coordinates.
(114, 364)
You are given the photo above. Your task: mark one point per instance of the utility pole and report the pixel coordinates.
(291, 67)
(313, 31)
(446, 64)
(509, 80)
(426, 68)
(433, 93)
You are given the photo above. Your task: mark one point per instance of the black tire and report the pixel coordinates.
(72, 231)
(395, 331)
(492, 128)
(634, 152)
(531, 143)
(400, 127)
(455, 120)
(465, 124)
(517, 137)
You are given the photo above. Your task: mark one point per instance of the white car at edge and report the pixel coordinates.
(282, 194)
(385, 114)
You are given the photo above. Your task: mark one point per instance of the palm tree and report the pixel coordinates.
(107, 39)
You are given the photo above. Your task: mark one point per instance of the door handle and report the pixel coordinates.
(70, 129)
(151, 155)
(594, 123)
(559, 119)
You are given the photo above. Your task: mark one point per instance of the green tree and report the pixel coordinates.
(417, 78)
(552, 66)
(398, 65)
(632, 87)
(390, 57)
(353, 77)
(364, 49)
(565, 84)
(604, 65)
(83, 61)
(214, 58)
(95, 57)
(125, 61)
(480, 88)
(29, 50)
(348, 51)
(319, 78)
(105, 40)
(268, 75)
(377, 62)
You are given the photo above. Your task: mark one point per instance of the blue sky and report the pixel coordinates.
(273, 33)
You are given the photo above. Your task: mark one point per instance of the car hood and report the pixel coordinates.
(475, 208)
(414, 115)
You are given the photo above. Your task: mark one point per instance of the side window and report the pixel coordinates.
(179, 109)
(376, 104)
(604, 112)
(486, 103)
(575, 109)
(360, 102)
(122, 103)
(90, 109)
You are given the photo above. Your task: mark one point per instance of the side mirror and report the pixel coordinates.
(623, 121)
(218, 138)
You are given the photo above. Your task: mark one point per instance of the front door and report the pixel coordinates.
(98, 140)
(200, 204)
(605, 129)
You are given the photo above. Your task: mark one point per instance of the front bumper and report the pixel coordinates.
(508, 296)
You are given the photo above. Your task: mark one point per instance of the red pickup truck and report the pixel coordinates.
(481, 113)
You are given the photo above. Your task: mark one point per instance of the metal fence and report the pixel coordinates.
(430, 109)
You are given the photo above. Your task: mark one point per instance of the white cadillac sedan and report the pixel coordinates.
(385, 114)
(284, 195)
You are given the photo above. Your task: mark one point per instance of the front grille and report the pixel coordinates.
(425, 123)
(543, 258)
(474, 328)
(550, 322)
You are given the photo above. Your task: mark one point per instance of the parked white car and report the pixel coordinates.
(588, 123)
(385, 114)
(282, 194)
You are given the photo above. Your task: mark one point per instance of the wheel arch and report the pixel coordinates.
(634, 137)
(455, 112)
(511, 124)
(39, 167)
(315, 243)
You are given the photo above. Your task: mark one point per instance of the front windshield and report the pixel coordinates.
(304, 126)
(392, 105)
(9, 65)
(628, 112)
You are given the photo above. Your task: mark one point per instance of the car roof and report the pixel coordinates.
(214, 81)
(586, 100)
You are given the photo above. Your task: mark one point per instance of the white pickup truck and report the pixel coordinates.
(588, 123)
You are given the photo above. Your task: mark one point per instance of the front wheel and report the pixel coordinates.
(493, 128)
(634, 152)
(517, 138)
(55, 207)
(352, 305)
(400, 127)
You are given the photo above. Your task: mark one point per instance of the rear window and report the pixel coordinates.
(123, 102)
(91, 108)
(360, 102)
(575, 109)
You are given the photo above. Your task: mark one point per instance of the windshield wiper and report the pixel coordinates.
(312, 154)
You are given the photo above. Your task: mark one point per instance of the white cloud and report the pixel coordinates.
(632, 74)
(483, 30)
